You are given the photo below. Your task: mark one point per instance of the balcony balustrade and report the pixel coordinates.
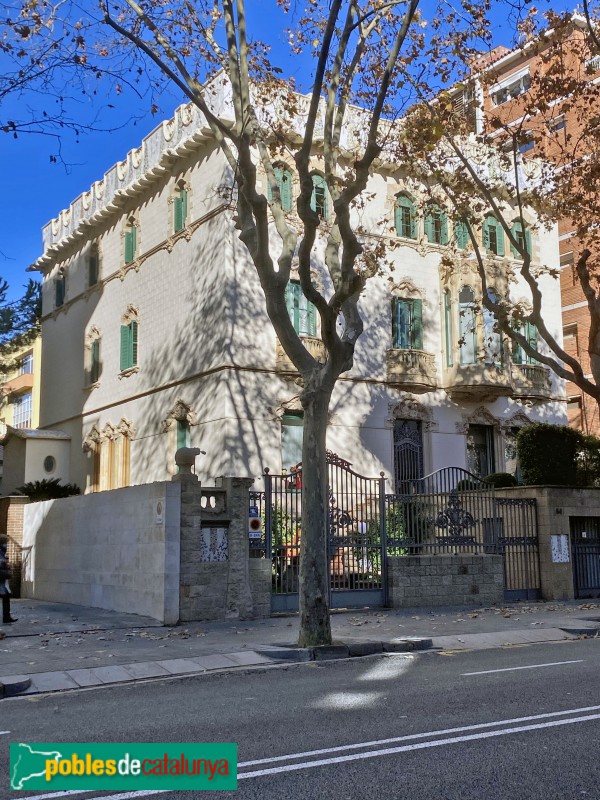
(314, 346)
(531, 381)
(413, 370)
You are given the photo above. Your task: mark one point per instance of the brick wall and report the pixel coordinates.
(445, 580)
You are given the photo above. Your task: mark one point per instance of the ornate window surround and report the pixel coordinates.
(180, 412)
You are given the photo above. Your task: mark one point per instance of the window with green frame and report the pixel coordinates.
(523, 237)
(285, 182)
(407, 324)
(493, 236)
(436, 225)
(492, 339)
(405, 217)
(59, 290)
(292, 427)
(319, 200)
(180, 203)
(467, 325)
(529, 331)
(461, 234)
(93, 265)
(129, 345)
(130, 242)
(302, 312)
(449, 328)
(95, 361)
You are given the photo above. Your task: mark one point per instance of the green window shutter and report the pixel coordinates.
(448, 326)
(311, 319)
(319, 200)
(417, 325)
(499, 238)
(531, 334)
(59, 289)
(486, 235)
(429, 227)
(461, 235)
(293, 303)
(528, 242)
(517, 353)
(395, 323)
(517, 232)
(95, 361)
(177, 214)
(125, 347)
(183, 433)
(404, 217)
(285, 187)
(130, 244)
(133, 327)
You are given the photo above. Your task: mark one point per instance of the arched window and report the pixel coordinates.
(492, 340)
(467, 325)
(319, 200)
(405, 217)
(523, 237)
(493, 236)
(302, 312)
(285, 180)
(461, 235)
(129, 340)
(436, 225)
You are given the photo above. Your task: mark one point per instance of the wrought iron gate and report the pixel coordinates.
(355, 535)
(585, 547)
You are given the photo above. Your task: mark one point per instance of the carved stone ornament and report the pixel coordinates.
(187, 113)
(409, 408)
(168, 128)
(122, 169)
(86, 200)
(517, 420)
(126, 428)
(137, 156)
(130, 314)
(92, 440)
(180, 411)
(99, 189)
(481, 416)
(405, 287)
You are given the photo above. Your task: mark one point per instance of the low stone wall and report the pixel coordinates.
(261, 585)
(445, 580)
(116, 550)
(11, 525)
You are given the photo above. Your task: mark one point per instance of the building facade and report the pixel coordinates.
(156, 334)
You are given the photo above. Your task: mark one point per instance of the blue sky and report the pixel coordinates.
(34, 190)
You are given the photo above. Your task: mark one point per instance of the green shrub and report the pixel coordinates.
(548, 454)
(501, 480)
(467, 485)
(588, 462)
(48, 489)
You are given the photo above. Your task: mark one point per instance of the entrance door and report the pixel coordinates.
(480, 450)
(408, 451)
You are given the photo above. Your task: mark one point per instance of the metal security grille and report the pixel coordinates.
(408, 450)
(585, 547)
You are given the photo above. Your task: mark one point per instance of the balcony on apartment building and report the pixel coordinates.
(478, 382)
(412, 370)
(19, 384)
(313, 344)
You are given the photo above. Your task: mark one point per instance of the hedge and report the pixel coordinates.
(549, 454)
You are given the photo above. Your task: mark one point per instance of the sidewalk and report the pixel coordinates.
(61, 646)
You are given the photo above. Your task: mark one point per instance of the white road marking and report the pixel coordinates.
(531, 666)
(483, 734)
(4, 733)
(409, 737)
(405, 748)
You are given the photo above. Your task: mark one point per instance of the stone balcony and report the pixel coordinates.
(531, 381)
(412, 370)
(478, 382)
(314, 346)
(19, 384)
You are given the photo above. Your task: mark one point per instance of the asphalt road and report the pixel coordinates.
(490, 725)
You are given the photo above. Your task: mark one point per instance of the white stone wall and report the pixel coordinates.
(116, 550)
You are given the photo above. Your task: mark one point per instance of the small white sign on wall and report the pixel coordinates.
(560, 548)
(159, 513)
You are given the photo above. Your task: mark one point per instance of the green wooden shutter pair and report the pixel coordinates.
(529, 331)
(407, 324)
(284, 181)
(180, 210)
(129, 345)
(303, 313)
(493, 234)
(130, 242)
(405, 220)
(183, 433)
(95, 361)
(436, 234)
(520, 235)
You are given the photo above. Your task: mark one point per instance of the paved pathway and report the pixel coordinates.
(60, 646)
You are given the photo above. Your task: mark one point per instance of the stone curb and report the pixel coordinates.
(14, 688)
(330, 652)
(575, 631)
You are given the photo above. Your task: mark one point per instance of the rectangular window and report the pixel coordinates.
(129, 336)
(95, 361)
(130, 243)
(557, 124)
(480, 450)
(93, 266)
(292, 427)
(302, 312)
(22, 411)
(512, 89)
(407, 324)
(180, 211)
(592, 64)
(527, 144)
(448, 328)
(26, 365)
(59, 291)
(183, 433)
(529, 331)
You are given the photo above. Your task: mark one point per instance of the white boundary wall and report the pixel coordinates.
(116, 550)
